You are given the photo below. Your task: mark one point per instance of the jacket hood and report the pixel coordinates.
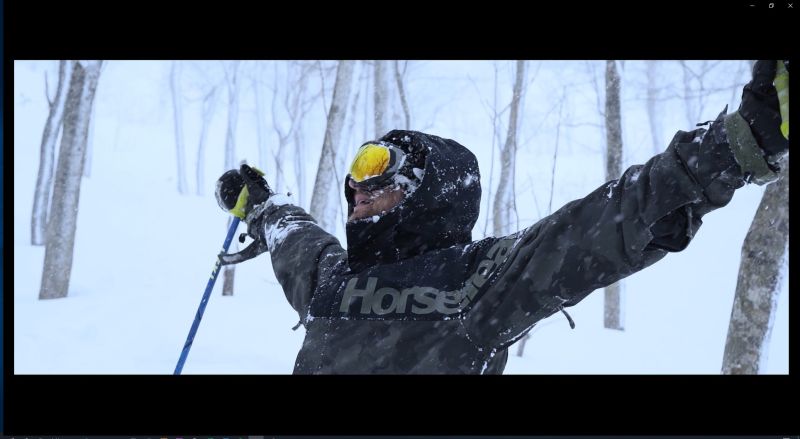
(439, 213)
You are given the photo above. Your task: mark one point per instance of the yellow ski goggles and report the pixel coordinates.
(375, 164)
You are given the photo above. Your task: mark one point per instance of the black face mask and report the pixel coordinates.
(439, 213)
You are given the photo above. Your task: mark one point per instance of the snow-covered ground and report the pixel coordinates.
(143, 252)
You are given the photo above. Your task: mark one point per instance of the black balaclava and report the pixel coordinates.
(438, 212)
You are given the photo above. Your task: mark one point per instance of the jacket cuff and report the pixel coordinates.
(746, 151)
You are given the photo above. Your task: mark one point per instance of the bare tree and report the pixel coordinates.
(209, 104)
(687, 94)
(231, 80)
(504, 202)
(695, 89)
(324, 204)
(309, 101)
(300, 165)
(229, 273)
(593, 77)
(736, 86)
(87, 158)
(44, 180)
(231, 76)
(758, 284)
(652, 98)
(289, 92)
(297, 112)
(381, 98)
(257, 81)
(523, 340)
(613, 302)
(348, 138)
(401, 89)
(177, 106)
(366, 79)
(495, 117)
(281, 92)
(66, 190)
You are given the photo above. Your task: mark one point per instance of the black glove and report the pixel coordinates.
(240, 191)
(760, 109)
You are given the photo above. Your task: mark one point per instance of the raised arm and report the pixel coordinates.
(628, 224)
(301, 251)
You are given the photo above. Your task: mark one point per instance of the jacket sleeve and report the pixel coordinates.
(622, 227)
(301, 251)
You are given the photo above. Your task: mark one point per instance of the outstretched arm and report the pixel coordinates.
(626, 224)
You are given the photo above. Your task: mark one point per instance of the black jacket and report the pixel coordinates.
(415, 294)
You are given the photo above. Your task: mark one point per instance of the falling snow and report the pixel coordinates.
(131, 304)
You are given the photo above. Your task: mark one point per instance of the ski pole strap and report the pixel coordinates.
(255, 248)
(255, 229)
(209, 286)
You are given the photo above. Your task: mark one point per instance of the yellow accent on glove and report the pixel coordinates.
(241, 203)
(782, 86)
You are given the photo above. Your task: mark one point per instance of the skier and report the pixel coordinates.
(414, 294)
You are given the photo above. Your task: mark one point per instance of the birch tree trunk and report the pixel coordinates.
(177, 105)
(381, 98)
(504, 203)
(87, 158)
(230, 154)
(62, 225)
(324, 204)
(401, 90)
(495, 141)
(652, 114)
(365, 78)
(612, 310)
(282, 94)
(209, 104)
(44, 180)
(521, 343)
(687, 94)
(300, 166)
(347, 139)
(297, 108)
(758, 285)
(261, 135)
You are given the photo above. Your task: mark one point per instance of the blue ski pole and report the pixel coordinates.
(206, 295)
